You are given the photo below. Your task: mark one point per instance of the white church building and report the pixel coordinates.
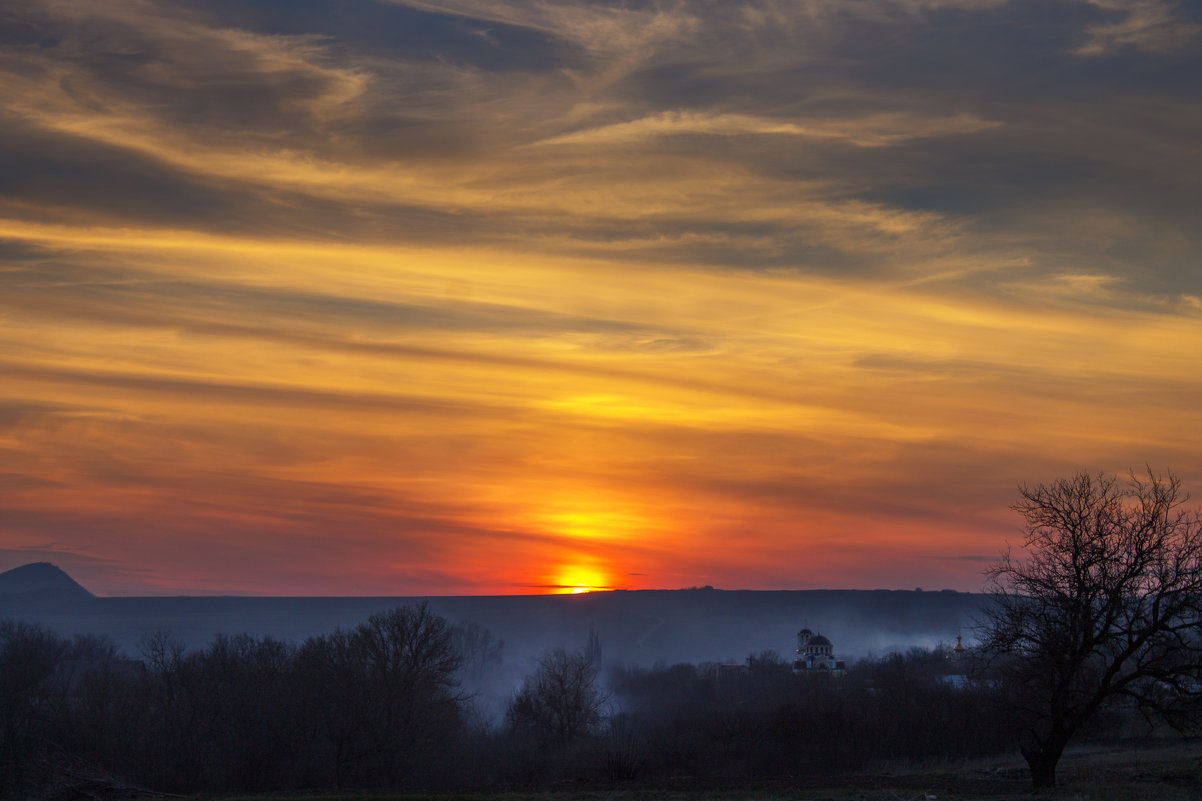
(815, 656)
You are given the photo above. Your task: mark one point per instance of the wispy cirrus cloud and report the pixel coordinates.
(1153, 26)
(870, 131)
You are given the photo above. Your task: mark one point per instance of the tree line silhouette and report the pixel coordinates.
(386, 705)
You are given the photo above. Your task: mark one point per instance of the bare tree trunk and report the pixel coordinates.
(1042, 760)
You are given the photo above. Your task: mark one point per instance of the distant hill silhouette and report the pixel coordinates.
(40, 577)
(637, 626)
(41, 581)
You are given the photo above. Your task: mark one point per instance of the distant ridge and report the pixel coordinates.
(640, 627)
(43, 579)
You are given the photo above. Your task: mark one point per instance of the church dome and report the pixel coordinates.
(814, 655)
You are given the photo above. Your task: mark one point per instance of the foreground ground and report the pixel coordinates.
(1171, 772)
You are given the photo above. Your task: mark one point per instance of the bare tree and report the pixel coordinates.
(1106, 604)
(383, 697)
(560, 701)
(29, 656)
(592, 648)
(479, 652)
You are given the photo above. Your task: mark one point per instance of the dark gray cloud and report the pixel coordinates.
(385, 30)
(1108, 130)
(202, 75)
(100, 181)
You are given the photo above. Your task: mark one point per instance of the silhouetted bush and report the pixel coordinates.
(763, 721)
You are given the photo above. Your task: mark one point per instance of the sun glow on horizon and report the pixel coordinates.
(593, 514)
(579, 579)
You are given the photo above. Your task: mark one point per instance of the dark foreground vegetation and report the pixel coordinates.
(384, 707)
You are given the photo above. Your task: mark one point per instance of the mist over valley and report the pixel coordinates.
(641, 627)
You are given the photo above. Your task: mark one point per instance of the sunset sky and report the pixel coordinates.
(508, 296)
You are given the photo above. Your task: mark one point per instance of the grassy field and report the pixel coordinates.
(1167, 772)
